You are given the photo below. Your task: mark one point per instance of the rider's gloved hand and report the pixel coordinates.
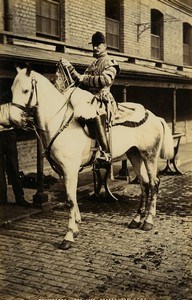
(81, 77)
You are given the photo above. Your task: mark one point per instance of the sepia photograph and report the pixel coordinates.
(95, 149)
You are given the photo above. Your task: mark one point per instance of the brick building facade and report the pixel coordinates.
(151, 40)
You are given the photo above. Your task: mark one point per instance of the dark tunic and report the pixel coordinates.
(98, 79)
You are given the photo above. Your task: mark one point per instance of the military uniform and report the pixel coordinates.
(97, 79)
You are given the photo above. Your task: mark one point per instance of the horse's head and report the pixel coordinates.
(24, 97)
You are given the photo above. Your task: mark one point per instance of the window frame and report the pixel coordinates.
(111, 37)
(156, 34)
(155, 46)
(112, 19)
(187, 44)
(42, 18)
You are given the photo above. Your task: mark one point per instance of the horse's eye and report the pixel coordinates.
(25, 91)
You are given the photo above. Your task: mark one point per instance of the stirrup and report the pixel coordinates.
(104, 158)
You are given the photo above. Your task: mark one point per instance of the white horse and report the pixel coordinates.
(71, 147)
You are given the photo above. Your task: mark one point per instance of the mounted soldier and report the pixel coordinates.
(97, 79)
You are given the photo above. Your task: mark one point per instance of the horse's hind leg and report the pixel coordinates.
(140, 170)
(151, 166)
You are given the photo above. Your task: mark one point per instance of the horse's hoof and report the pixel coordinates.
(134, 225)
(147, 226)
(65, 245)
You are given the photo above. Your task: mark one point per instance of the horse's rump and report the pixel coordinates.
(167, 148)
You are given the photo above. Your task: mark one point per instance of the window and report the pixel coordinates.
(112, 12)
(48, 18)
(156, 34)
(186, 43)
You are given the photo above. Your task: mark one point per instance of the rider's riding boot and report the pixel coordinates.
(99, 126)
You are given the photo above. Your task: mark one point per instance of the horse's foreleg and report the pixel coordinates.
(72, 228)
(74, 213)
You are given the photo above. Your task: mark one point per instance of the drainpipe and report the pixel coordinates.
(8, 15)
(174, 114)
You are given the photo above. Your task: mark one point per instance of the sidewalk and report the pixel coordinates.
(10, 213)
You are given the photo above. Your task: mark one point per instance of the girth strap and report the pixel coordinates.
(48, 149)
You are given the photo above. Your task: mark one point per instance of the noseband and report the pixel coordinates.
(28, 109)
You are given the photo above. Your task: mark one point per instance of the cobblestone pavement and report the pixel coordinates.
(108, 260)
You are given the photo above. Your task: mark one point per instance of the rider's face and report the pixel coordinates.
(99, 49)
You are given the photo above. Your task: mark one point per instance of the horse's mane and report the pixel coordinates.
(47, 86)
(42, 77)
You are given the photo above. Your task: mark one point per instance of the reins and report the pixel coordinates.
(64, 124)
(61, 128)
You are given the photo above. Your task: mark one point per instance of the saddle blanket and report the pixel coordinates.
(130, 114)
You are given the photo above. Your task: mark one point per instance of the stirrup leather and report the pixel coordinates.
(104, 157)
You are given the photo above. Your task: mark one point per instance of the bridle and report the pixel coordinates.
(29, 113)
(28, 110)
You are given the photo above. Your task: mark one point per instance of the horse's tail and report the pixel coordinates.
(167, 147)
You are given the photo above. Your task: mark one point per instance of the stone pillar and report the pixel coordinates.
(124, 172)
(40, 199)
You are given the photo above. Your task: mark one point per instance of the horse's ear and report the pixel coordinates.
(17, 68)
(21, 66)
(28, 69)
